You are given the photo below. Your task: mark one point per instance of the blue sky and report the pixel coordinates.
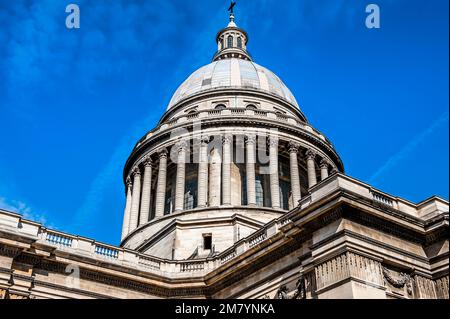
(74, 102)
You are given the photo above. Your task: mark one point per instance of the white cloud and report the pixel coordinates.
(23, 209)
(409, 147)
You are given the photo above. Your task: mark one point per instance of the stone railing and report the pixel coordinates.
(380, 198)
(228, 256)
(238, 112)
(58, 239)
(257, 238)
(192, 266)
(106, 251)
(150, 262)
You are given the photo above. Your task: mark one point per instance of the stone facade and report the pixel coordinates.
(235, 195)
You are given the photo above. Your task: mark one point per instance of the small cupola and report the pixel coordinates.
(232, 41)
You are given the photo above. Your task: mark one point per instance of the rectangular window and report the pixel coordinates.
(207, 241)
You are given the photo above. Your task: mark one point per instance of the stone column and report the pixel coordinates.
(203, 172)
(146, 191)
(226, 166)
(136, 199)
(126, 215)
(250, 170)
(295, 177)
(161, 185)
(273, 166)
(215, 178)
(181, 177)
(311, 167)
(323, 169)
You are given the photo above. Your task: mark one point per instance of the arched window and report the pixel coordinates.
(230, 41)
(220, 107)
(239, 42)
(251, 107)
(222, 44)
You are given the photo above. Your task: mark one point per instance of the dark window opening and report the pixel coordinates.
(230, 41)
(207, 241)
(239, 43)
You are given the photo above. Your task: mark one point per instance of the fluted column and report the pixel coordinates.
(226, 166)
(295, 177)
(136, 198)
(273, 166)
(146, 192)
(203, 172)
(181, 177)
(250, 170)
(323, 169)
(161, 185)
(311, 167)
(126, 215)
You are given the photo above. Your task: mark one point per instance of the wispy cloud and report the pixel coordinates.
(25, 210)
(409, 147)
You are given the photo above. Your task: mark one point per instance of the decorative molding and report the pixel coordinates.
(425, 288)
(345, 266)
(442, 287)
(399, 280)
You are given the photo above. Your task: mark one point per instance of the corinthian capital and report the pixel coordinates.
(182, 146)
(147, 161)
(293, 147)
(135, 171)
(324, 163)
(162, 153)
(129, 182)
(250, 139)
(310, 154)
(227, 139)
(204, 139)
(272, 140)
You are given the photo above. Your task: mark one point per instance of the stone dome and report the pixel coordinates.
(232, 73)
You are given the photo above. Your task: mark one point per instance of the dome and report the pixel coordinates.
(232, 73)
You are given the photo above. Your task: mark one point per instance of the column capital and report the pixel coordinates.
(181, 145)
(272, 140)
(227, 139)
(334, 170)
(204, 139)
(293, 147)
(135, 171)
(250, 139)
(324, 163)
(129, 182)
(162, 153)
(310, 154)
(147, 161)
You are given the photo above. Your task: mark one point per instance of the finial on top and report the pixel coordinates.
(231, 8)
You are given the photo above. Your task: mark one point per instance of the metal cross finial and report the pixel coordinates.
(231, 8)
